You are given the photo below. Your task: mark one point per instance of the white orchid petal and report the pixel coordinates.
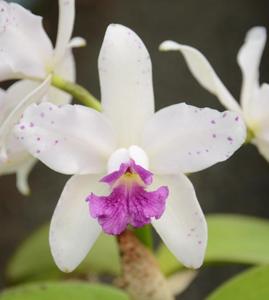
(259, 120)
(73, 231)
(182, 227)
(66, 69)
(17, 160)
(25, 47)
(13, 156)
(249, 58)
(65, 28)
(70, 139)
(77, 42)
(203, 72)
(14, 95)
(126, 82)
(263, 146)
(23, 173)
(184, 138)
(258, 112)
(15, 114)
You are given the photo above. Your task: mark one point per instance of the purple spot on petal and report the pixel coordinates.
(214, 135)
(31, 124)
(224, 115)
(38, 138)
(236, 119)
(22, 127)
(230, 139)
(37, 151)
(42, 115)
(213, 122)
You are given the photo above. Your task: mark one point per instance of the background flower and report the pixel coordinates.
(254, 96)
(36, 59)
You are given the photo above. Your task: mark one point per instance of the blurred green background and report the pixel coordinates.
(217, 28)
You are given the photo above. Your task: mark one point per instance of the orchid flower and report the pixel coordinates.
(128, 162)
(254, 97)
(14, 158)
(25, 48)
(26, 53)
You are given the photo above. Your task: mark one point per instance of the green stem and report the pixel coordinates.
(144, 234)
(77, 91)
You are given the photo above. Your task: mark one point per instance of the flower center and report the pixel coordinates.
(128, 202)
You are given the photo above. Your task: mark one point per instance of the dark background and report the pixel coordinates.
(217, 28)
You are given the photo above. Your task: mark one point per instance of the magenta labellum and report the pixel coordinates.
(129, 202)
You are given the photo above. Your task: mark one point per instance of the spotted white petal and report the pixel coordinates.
(70, 139)
(73, 231)
(25, 47)
(182, 227)
(18, 97)
(65, 28)
(203, 72)
(126, 82)
(249, 58)
(184, 138)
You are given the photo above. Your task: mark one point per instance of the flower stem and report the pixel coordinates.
(141, 275)
(77, 91)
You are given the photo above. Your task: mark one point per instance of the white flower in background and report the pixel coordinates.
(254, 98)
(128, 162)
(25, 48)
(26, 52)
(14, 157)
